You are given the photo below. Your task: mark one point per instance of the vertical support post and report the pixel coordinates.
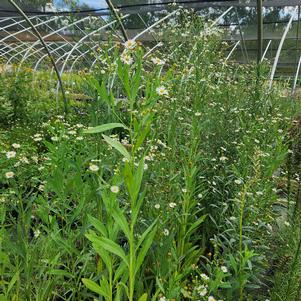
(242, 44)
(259, 30)
(117, 17)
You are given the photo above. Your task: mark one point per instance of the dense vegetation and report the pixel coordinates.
(174, 176)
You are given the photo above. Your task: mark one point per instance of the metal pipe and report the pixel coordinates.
(266, 50)
(280, 48)
(119, 20)
(230, 53)
(259, 30)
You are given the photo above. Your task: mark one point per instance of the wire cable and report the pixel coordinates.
(138, 5)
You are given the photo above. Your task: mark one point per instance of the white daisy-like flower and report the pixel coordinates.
(158, 61)
(197, 114)
(224, 269)
(126, 59)
(172, 205)
(157, 206)
(162, 91)
(204, 277)
(202, 290)
(94, 168)
(130, 44)
(9, 174)
(114, 189)
(16, 145)
(11, 154)
(55, 138)
(223, 158)
(162, 299)
(24, 160)
(36, 233)
(166, 232)
(41, 187)
(35, 159)
(238, 181)
(211, 298)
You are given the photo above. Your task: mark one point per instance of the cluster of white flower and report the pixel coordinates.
(162, 91)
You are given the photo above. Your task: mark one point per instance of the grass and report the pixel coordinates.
(166, 181)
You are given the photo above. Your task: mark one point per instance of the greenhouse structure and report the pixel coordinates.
(149, 150)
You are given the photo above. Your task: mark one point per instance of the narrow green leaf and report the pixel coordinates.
(94, 287)
(143, 297)
(120, 219)
(120, 272)
(99, 226)
(118, 146)
(114, 248)
(145, 233)
(194, 226)
(138, 179)
(102, 91)
(13, 281)
(60, 273)
(105, 286)
(2, 297)
(138, 205)
(129, 179)
(105, 256)
(104, 127)
(145, 247)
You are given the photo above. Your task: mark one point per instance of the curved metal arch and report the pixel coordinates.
(53, 50)
(38, 35)
(15, 56)
(84, 38)
(232, 50)
(80, 56)
(61, 58)
(48, 35)
(18, 32)
(45, 55)
(266, 50)
(144, 31)
(39, 51)
(280, 47)
(296, 77)
(29, 29)
(154, 25)
(13, 49)
(94, 62)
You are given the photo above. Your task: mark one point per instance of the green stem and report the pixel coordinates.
(132, 264)
(242, 207)
(293, 267)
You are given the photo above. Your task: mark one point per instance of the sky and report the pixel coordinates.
(94, 3)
